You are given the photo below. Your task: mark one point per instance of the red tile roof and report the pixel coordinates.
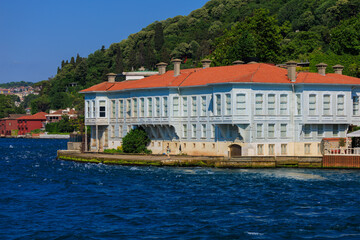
(36, 116)
(247, 73)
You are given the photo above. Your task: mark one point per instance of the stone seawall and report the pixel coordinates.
(192, 161)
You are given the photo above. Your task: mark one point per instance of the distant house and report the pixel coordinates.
(27, 123)
(56, 115)
(4, 91)
(9, 124)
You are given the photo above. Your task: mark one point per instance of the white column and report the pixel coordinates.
(97, 138)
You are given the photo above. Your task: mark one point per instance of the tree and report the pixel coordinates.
(135, 141)
(159, 36)
(119, 61)
(72, 61)
(41, 104)
(345, 38)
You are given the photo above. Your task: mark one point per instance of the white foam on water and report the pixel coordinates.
(254, 233)
(11, 146)
(297, 176)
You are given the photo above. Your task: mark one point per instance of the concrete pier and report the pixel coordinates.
(192, 161)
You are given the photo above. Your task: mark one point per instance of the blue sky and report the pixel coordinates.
(36, 35)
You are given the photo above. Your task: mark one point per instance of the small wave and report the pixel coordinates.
(11, 146)
(254, 233)
(298, 176)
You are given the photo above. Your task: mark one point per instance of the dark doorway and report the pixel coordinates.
(235, 151)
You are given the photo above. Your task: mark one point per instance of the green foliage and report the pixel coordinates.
(112, 151)
(7, 106)
(65, 125)
(342, 142)
(135, 141)
(224, 30)
(345, 38)
(36, 131)
(16, 84)
(40, 104)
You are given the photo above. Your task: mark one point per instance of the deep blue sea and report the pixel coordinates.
(45, 198)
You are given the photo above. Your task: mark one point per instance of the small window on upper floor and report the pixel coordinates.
(102, 108)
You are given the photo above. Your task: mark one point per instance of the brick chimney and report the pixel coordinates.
(321, 68)
(162, 68)
(238, 62)
(291, 68)
(176, 63)
(338, 69)
(206, 63)
(111, 77)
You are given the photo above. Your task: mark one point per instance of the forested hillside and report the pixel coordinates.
(272, 31)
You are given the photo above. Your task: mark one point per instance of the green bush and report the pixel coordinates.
(136, 141)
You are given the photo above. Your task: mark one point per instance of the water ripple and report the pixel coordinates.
(43, 198)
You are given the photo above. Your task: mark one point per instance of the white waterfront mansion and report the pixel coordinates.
(239, 110)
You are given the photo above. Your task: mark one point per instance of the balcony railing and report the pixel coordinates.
(342, 151)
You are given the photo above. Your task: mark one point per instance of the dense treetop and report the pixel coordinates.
(272, 31)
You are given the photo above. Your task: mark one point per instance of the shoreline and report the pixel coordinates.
(326, 162)
(191, 161)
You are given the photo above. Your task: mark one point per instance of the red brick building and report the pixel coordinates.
(26, 124)
(9, 124)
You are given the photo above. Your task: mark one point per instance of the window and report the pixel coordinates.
(326, 104)
(283, 104)
(259, 104)
(271, 104)
(307, 130)
(94, 109)
(142, 107)
(184, 130)
(193, 130)
(176, 106)
(165, 107)
(260, 149)
(120, 131)
(121, 108)
(335, 130)
(340, 105)
(312, 104)
(240, 104)
(185, 106)
(218, 104)
(271, 149)
(135, 106)
(271, 130)
(355, 105)
(128, 108)
(283, 130)
(157, 107)
(228, 103)
(193, 106)
(102, 108)
(88, 108)
(320, 130)
(203, 130)
(259, 130)
(283, 149)
(212, 131)
(150, 107)
(203, 106)
(307, 148)
(113, 109)
(298, 104)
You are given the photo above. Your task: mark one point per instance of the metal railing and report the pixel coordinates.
(342, 151)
